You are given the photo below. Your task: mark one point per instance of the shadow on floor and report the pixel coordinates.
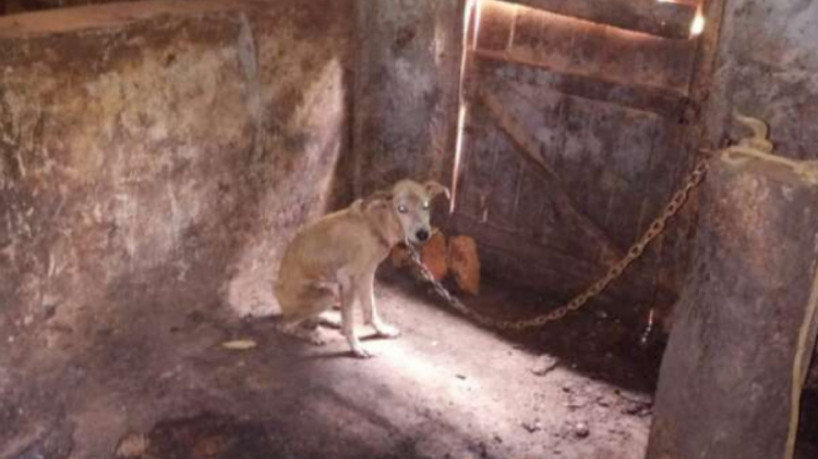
(807, 444)
(151, 380)
(592, 341)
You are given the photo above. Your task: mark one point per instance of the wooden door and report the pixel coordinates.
(574, 139)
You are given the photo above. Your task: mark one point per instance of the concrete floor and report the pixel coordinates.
(156, 383)
(160, 382)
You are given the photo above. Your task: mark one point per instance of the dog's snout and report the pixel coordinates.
(422, 235)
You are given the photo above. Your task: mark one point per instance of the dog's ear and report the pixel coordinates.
(377, 200)
(433, 189)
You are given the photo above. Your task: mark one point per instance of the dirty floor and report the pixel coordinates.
(157, 384)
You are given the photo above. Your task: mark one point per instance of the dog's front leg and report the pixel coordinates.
(348, 319)
(366, 289)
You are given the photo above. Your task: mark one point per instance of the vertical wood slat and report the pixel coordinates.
(609, 251)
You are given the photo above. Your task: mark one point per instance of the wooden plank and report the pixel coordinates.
(550, 267)
(627, 163)
(547, 267)
(496, 22)
(609, 252)
(506, 174)
(661, 101)
(477, 164)
(587, 48)
(538, 34)
(664, 19)
(704, 77)
(111, 15)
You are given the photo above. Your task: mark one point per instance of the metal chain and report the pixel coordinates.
(655, 229)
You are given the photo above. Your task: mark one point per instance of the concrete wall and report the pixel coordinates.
(160, 154)
(406, 90)
(767, 67)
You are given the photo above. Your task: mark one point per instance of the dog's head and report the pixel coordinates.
(411, 203)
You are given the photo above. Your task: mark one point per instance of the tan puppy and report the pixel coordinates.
(333, 260)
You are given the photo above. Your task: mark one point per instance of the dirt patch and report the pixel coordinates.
(208, 435)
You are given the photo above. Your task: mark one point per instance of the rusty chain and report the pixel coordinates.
(655, 229)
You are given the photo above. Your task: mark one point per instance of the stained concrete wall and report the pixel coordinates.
(766, 67)
(160, 154)
(406, 90)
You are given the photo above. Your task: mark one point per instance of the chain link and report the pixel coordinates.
(655, 229)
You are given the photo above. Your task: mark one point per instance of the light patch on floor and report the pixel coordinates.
(445, 388)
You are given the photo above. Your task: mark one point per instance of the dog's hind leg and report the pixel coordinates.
(301, 328)
(303, 322)
(366, 292)
(330, 319)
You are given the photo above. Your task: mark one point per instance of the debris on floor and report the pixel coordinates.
(207, 435)
(581, 430)
(239, 344)
(544, 365)
(133, 445)
(533, 426)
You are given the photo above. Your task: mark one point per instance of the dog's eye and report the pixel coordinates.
(402, 209)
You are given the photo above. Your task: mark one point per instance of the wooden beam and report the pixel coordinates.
(663, 102)
(664, 19)
(109, 15)
(609, 252)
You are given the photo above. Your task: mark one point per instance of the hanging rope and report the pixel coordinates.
(760, 147)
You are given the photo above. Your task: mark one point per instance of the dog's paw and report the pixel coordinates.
(316, 339)
(361, 353)
(387, 331)
(331, 321)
